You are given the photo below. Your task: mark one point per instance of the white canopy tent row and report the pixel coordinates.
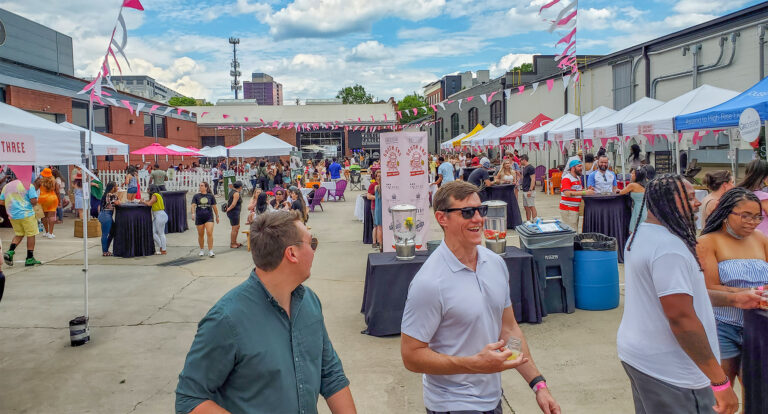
(448, 145)
(493, 140)
(538, 134)
(569, 130)
(477, 139)
(102, 145)
(27, 139)
(660, 120)
(262, 145)
(218, 151)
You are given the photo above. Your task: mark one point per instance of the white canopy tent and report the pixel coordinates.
(660, 120)
(213, 152)
(262, 145)
(567, 131)
(608, 127)
(448, 145)
(537, 135)
(27, 139)
(477, 139)
(494, 139)
(181, 149)
(102, 145)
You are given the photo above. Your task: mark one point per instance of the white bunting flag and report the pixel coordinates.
(442, 106)
(168, 109)
(566, 81)
(535, 85)
(484, 97)
(138, 107)
(507, 93)
(460, 104)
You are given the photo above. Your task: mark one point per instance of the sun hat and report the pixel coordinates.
(573, 163)
(46, 173)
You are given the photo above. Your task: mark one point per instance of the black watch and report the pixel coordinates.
(535, 381)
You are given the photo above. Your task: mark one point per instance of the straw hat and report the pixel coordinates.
(46, 173)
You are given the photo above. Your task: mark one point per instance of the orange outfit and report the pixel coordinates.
(48, 199)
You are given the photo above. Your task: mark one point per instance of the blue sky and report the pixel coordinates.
(315, 47)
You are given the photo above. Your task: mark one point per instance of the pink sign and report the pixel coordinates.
(405, 180)
(17, 148)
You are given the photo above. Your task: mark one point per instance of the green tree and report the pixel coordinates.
(182, 101)
(409, 102)
(354, 95)
(525, 67)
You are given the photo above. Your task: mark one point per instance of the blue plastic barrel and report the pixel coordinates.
(596, 279)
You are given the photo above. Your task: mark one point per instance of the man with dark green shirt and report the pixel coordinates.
(263, 348)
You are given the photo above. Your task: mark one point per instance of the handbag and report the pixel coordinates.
(38, 211)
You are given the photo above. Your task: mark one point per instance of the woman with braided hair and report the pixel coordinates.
(733, 256)
(667, 339)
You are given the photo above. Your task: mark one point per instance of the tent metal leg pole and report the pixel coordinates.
(677, 156)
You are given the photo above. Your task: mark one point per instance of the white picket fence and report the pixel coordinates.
(177, 181)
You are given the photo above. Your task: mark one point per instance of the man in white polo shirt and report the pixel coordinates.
(458, 316)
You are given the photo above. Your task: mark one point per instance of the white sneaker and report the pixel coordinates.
(211, 253)
(45, 235)
(51, 236)
(202, 253)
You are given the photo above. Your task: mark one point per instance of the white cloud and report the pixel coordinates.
(198, 11)
(328, 18)
(508, 62)
(419, 33)
(706, 6)
(371, 50)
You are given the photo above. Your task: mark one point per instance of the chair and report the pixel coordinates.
(317, 199)
(338, 193)
(540, 173)
(355, 180)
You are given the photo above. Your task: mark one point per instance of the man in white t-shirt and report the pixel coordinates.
(667, 339)
(458, 316)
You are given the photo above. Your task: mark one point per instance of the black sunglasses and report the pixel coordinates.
(469, 212)
(312, 244)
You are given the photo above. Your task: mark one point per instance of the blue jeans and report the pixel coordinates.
(105, 218)
(60, 213)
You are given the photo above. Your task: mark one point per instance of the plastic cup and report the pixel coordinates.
(515, 345)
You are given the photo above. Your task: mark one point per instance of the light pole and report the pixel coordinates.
(235, 72)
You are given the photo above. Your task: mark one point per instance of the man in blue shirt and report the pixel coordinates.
(444, 171)
(603, 180)
(263, 348)
(335, 170)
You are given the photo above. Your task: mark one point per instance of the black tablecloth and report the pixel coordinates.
(367, 221)
(609, 215)
(755, 362)
(387, 280)
(176, 208)
(133, 230)
(506, 193)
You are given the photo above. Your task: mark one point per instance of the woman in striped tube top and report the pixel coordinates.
(733, 257)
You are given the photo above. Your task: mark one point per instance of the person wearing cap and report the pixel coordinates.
(49, 201)
(571, 192)
(19, 203)
(233, 212)
(159, 217)
(480, 176)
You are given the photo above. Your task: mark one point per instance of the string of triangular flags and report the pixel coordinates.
(565, 20)
(313, 126)
(104, 77)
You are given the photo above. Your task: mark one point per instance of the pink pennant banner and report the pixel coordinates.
(548, 5)
(470, 98)
(23, 173)
(651, 138)
(567, 38)
(520, 89)
(434, 108)
(178, 111)
(127, 105)
(415, 111)
(133, 4)
(490, 96)
(154, 107)
(550, 84)
(225, 116)
(567, 19)
(604, 142)
(560, 144)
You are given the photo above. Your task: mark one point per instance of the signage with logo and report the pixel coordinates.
(749, 125)
(17, 148)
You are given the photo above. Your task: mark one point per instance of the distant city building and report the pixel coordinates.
(263, 89)
(331, 101)
(144, 86)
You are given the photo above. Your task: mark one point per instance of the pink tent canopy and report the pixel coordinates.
(157, 149)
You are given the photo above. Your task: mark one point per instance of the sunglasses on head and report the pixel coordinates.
(469, 212)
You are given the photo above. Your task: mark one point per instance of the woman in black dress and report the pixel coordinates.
(203, 211)
(234, 205)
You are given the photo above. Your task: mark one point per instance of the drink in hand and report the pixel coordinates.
(515, 345)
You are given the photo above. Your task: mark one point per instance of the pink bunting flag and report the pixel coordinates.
(550, 84)
(23, 173)
(560, 144)
(415, 111)
(225, 116)
(490, 96)
(245, 118)
(385, 118)
(604, 142)
(127, 105)
(548, 5)
(588, 143)
(470, 98)
(399, 114)
(567, 38)
(651, 138)
(372, 120)
(153, 107)
(520, 89)
(450, 101)
(96, 98)
(133, 4)
(262, 121)
(434, 108)
(178, 111)
(567, 19)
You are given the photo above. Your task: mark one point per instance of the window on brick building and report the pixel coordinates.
(211, 140)
(148, 127)
(439, 129)
(101, 118)
(454, 125)
(160, 126)
(472, 116)
(497, 113)
(80, 114)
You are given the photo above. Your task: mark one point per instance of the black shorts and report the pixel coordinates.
(202, 216)
(234, 217)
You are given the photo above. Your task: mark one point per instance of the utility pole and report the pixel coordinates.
(235, 72)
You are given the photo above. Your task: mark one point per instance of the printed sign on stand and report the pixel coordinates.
(405, 180)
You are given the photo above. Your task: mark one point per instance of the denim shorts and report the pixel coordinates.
(730, 338)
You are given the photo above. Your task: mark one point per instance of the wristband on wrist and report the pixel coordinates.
(760, 288)
(534, 382)
(721, 387)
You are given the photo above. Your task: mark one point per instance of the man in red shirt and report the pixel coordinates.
(571, 192)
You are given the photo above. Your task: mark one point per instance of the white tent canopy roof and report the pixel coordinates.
(477, 139)
(449, 144)
(178, 148)
(494, 138)
(213, 152)
(102, 145)
(608, 126)
(27, 139)
(537, 135)
(660, 120)
(567, 131)
(262, 145)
